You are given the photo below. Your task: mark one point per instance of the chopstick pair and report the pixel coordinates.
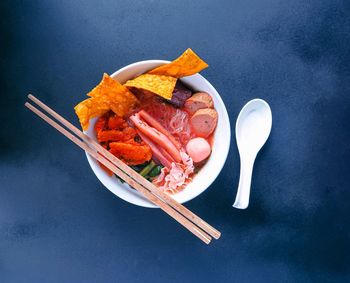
(181, 214)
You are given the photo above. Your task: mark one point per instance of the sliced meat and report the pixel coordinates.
(204, 122)
(198, 149)
(116, 123)
(199, 100)
(155, 124)
(131, 154)
(115, 135)
(156, 136)
(156, 152)
(101, 124)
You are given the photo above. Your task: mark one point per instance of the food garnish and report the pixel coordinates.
(158, 84)
(121, 139)
(109, 94)
(189, 63)
(162, 80)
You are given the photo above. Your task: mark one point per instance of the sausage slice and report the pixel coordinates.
(199, 100)
(204, 122)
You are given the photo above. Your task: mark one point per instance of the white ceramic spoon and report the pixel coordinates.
(253, 127)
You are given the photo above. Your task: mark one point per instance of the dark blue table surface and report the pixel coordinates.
(59, 224)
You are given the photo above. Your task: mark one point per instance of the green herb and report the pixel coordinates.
(139, 167)
(155, 171)
(144, 172)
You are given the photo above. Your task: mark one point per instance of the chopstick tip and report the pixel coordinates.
(217, 236)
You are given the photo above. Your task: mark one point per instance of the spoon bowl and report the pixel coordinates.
(253, 128)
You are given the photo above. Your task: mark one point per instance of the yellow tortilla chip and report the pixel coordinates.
(88, 109)
(109, 94)
(158, 84)
(186, 65)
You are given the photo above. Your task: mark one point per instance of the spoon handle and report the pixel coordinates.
(243, 192)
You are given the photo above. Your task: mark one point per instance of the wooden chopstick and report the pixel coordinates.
(154, 199)
(118, 163)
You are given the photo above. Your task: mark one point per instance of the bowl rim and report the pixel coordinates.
(145, 203)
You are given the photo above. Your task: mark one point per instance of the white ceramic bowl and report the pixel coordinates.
(210, 170)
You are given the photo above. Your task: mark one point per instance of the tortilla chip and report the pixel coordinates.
(88, 109)
(109, 94)
(158, 84)
(186, 65)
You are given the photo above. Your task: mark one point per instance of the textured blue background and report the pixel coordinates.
(58, 223)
